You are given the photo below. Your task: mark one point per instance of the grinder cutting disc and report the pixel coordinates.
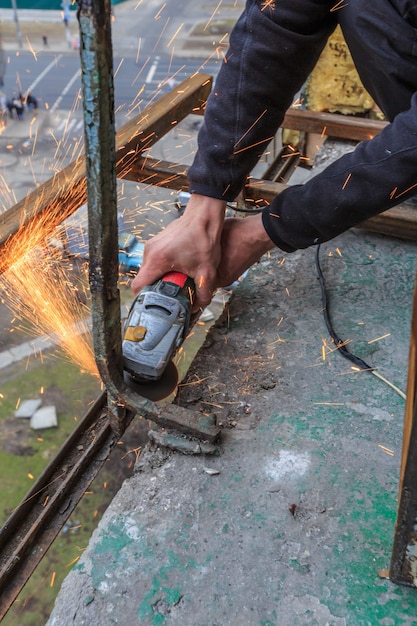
(154, 390)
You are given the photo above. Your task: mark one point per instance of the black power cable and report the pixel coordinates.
(338, 342)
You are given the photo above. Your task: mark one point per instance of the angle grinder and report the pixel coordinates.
(156, 326)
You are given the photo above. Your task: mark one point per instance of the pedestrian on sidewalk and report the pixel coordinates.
(273, 49)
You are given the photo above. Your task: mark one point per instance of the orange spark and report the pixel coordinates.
(268, 4)
(212, 16)
(250, 128)
(386, 450)
(174, 35)
(379, 338)
(158, 14)
(346, 181)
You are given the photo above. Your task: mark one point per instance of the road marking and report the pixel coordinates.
(42, 74)
(152, 70)
(68, 126)
(65, 90)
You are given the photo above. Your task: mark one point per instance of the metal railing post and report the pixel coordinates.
(403, 569)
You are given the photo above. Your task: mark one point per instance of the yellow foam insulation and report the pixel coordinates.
(334, 85)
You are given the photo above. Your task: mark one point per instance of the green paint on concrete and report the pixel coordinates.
(113, 542)
(366, 503)
(160, 592)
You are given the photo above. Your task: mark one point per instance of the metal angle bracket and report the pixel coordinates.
(99, 130)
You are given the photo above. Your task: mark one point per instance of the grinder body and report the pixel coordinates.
(156, 326)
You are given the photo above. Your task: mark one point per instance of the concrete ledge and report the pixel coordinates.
(294, 518)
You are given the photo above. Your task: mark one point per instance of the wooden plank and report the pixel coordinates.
(400, 221)
(158, 119)
(333, 124)
(28, 222)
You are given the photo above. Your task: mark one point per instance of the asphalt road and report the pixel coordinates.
(54, 79)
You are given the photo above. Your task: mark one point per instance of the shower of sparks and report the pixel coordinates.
(39, 290)
(39, 287)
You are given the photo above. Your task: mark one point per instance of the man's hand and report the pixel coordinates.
(191, 245)
(243, 242)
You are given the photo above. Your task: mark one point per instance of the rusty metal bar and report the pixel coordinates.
(35, 523)
(99, 133)
(400, 221)
(403, 569)
(97, 82)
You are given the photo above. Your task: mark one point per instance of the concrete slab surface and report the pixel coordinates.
(43, 418)
(27, 408)
(290, 523)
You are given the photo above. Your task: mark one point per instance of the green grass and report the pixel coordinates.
(55, 381)
(58, 382)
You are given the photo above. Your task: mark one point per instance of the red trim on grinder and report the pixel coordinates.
(178, 278)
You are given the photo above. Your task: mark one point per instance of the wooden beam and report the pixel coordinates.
(27, 223)
(188, 97)
(333, 124)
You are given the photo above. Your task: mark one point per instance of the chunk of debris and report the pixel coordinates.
(27, 408)
(45, 417)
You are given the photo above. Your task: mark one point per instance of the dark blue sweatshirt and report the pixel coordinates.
(273, 48)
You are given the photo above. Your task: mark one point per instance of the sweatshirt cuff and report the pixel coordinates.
(270, 223)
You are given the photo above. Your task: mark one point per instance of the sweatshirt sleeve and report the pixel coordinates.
(273, 48)
(377, 175)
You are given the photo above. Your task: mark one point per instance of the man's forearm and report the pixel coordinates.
(272, 51)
